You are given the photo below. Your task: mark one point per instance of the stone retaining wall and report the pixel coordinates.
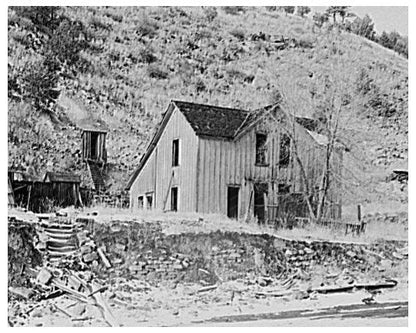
(143, 251)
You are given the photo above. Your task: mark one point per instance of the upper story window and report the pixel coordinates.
(175, 152)
(284, 154)
(261, 149)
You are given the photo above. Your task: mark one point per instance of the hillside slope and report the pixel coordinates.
(141, 57)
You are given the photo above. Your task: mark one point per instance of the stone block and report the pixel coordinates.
(89, 257)
(86, 249)
(44, 276)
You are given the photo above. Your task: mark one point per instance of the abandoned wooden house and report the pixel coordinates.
(211, 159)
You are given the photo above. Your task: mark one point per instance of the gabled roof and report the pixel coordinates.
(212, 121)
(61, 177)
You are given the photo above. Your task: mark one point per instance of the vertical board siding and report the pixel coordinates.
(156, 175)
(224, 163)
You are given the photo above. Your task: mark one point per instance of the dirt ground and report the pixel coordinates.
(135, 303)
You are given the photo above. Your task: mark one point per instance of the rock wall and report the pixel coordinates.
(143, 251)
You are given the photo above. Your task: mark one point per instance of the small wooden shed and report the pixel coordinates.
(93, 141)
(64, 187)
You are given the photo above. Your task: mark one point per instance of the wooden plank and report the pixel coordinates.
(101, 302)
(197, 175)
(216, 180)
(104, 259)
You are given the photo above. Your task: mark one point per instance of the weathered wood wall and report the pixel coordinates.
(39, 194)
(232, 163)
(158, 176)
(101, 154)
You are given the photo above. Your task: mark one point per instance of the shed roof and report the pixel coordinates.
(61, 177)
(93, 125)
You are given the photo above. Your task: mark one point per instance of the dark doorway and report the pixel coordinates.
(232, 202)
(174, 199)
(94, 150)
(149, 199)
(260, 192)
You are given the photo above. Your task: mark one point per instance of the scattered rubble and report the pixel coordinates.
(87, 271)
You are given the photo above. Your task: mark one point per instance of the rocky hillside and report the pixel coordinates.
(123, 65)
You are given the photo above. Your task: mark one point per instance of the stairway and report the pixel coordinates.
(96, 175)
(59, 237)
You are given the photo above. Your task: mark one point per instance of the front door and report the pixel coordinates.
(260, 193)
(232, 202)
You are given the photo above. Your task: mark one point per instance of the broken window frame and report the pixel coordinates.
(261, 149)
(284, 150)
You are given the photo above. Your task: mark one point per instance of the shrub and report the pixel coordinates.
(115, 17)
(97, 24)
(271, 8)
(305, 43)
(154, 71)
(203, 34)
(235, 73)
(234, 10)
(303, 10)
(320, 19)
(147, 27)
(200, 85)
(146, 55)
(210, 13)
(238, 33)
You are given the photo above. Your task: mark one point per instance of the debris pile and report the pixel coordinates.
(91, 268)
(22, 254)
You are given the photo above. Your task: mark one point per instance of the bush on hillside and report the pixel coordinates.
(146, 55)
(114, 17)
(210, 13)
(96, 23)
(303, 10)
(305, 42)
(320, 19)
(238, 33)
(156, 72)
(147, 27)
(234, 10)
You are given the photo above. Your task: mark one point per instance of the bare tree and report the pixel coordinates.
(326, 95)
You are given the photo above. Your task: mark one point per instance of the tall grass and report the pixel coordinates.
(174, 223)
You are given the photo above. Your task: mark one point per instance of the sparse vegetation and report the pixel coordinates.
(126, 74)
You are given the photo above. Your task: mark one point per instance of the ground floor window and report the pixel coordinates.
(149, 200)
(140, 202)
(174, 199)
